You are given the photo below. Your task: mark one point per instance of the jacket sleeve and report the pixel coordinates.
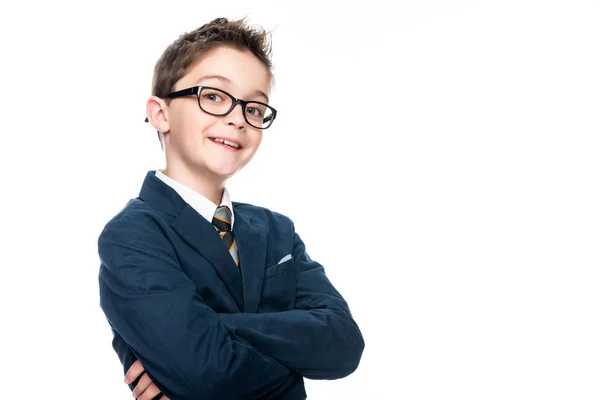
(154, 307)
(318, 339)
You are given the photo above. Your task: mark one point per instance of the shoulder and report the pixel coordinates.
(135, 220)
(265, 216)
(136, 236)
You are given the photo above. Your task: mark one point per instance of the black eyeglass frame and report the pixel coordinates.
(196, 90)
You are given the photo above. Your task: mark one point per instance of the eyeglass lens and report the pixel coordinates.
(217, 102)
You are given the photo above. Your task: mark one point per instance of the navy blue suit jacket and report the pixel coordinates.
(204, 328)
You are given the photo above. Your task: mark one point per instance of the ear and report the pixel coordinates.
(156, 111)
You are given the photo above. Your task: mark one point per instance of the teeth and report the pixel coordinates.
(227, 142)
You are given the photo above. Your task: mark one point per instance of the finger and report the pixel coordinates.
(150, 393)
(142, 385)
(160, 396)
(134, 372)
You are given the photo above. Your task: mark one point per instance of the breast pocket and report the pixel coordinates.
(279, 287)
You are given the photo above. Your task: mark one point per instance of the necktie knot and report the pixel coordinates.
(222, 219)
(222, 222)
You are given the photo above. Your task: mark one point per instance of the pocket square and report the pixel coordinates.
(285, 258)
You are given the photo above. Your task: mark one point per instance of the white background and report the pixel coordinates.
(452, 146)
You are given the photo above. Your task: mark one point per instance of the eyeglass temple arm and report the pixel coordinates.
(181, 93)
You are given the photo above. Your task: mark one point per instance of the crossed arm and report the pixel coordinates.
(190, 351)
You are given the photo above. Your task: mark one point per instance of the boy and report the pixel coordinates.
(209, 298)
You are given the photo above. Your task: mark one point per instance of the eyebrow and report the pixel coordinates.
(227, 80)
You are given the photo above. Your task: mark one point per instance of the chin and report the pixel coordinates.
(224, 172)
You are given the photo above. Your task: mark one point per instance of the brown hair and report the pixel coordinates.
(183, 53)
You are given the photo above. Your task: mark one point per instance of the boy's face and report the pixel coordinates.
(189, 139)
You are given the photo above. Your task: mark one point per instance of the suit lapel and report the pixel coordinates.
(204, 238)
(244, 286)
(252, 248)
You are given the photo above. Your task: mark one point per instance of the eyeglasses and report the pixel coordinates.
(218, 102)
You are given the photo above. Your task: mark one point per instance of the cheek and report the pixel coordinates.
(256, 139)
(193, 127)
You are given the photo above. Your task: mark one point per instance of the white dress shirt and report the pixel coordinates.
(201, 204)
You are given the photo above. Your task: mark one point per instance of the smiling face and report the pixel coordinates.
(189, 132)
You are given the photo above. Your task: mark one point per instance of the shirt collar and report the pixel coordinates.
(198, 202)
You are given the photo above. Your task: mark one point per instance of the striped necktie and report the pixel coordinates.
(222, 222)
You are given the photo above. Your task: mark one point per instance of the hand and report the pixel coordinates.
(145, 388)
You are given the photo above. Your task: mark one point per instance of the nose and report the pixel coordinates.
(236, 116)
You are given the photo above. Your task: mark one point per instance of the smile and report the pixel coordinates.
(232, 146)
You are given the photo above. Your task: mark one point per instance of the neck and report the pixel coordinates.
(207, 185)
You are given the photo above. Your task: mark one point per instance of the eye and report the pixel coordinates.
(255, 112)
(214, 97)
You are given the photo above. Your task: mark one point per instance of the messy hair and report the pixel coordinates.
(183, 53)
